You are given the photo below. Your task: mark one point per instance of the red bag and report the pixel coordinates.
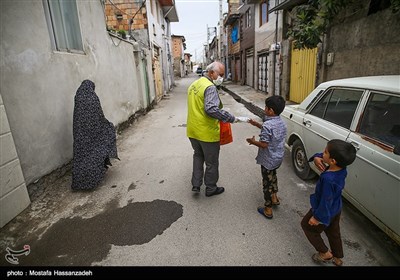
(226, 133)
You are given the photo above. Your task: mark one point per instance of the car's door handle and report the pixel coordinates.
(307, 123)
(355, 145)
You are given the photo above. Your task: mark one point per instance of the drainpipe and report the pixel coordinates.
(273, 72)
(274, 52)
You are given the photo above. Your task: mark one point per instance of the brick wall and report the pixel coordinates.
(125, 9)
(177, 47)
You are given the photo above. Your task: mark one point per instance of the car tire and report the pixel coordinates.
(300, 161)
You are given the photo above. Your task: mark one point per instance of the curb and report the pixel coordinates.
(248, 104)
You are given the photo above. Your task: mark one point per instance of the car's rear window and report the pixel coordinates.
(381, 118)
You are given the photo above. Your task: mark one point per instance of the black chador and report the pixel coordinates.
(94, 139)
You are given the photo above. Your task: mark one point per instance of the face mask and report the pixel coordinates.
(218, 81)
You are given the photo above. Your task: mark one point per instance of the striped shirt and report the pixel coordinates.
(273, 132)
(211, 106)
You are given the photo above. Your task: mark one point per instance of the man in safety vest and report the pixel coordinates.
(204, 113)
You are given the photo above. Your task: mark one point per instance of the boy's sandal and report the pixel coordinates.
(262, 212)
(318, 259)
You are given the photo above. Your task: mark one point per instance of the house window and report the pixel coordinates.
(151, 7)
(63, 22)
(156, 52)
(157, 13)
(263, 12)
(235, 34)
(248, 18)
(378, 5)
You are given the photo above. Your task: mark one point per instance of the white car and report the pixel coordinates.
(365, 112)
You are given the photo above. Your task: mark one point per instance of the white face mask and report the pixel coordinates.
(218, 81)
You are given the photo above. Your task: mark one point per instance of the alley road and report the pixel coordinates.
(145, 214)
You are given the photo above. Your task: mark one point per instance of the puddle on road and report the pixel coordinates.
(78, 241)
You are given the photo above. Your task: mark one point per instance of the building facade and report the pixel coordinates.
(178, 52)
(39, 81)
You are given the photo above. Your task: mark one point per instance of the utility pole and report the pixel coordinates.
(208, 42)
(213, 30)
(208, 35)
(205, 55)
(221, 26)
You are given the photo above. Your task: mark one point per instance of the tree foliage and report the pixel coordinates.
(310, 21)
(395, 5)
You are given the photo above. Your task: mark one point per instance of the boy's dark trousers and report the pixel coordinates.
(332, 231)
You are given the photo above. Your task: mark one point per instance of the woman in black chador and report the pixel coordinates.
(94, 139)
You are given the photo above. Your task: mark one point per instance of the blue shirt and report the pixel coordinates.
(273, 131)
(326, 202)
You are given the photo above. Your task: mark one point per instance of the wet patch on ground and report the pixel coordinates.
(352, 244)
(78, 241)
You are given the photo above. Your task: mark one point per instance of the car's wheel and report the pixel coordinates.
(300, 161)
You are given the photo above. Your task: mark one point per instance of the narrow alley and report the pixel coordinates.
(145, 214)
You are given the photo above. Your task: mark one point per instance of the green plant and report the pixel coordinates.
(310, 21)
(122, 33)
(395, 5)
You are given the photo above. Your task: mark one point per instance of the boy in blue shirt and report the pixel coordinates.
(326, 202)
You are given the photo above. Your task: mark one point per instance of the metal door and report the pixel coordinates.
(157, 74)
(237, 69)
(249, 67)
(302, 73)
(262, 73)
(373, 181)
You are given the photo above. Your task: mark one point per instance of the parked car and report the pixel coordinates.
(199, 70)
(365, 112)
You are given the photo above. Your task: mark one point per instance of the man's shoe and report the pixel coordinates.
(196, 189)
(275, 200)
(218, 190)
